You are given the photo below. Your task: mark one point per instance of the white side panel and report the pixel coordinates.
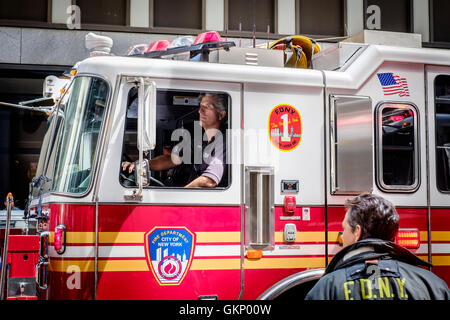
(437, 198)
(414, 73)
(305, 162)
(111, 191)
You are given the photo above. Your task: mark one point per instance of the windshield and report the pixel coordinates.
(77, 145)
(47, 155)
(46, 163)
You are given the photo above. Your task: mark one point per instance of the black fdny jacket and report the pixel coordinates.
(373, 269)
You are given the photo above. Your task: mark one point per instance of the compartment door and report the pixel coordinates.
(438, 96)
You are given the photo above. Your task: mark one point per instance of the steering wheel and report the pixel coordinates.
(130, 179)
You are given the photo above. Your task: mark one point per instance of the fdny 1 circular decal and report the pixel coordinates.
(285, 127)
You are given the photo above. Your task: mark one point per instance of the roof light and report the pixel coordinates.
(137, 49)
(159, 45)
(210, 36)
(183, 41)
(408, 238)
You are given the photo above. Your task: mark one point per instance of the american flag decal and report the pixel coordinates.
(393, 84)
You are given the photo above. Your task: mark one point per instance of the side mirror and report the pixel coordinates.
(144, 172)
(146, 131)
(147, 116)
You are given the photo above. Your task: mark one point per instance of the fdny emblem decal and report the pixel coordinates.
(285, 127)
(169, 252)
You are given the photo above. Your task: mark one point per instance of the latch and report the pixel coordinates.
(290, 232)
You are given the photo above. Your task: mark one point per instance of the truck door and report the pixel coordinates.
(177, 242)
(438, 100)
(283, 176)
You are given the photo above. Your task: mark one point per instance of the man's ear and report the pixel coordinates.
(358, 232)
(222, 114)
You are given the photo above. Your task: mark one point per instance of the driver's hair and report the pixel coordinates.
(219, 99)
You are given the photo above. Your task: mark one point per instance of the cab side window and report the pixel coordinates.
(442, 122)
(397, 147)
(191, 140)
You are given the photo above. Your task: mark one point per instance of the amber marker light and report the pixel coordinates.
(254, 254)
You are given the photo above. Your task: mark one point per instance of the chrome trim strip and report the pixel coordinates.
(379, 147)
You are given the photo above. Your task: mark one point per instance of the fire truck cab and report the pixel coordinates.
(298, 141)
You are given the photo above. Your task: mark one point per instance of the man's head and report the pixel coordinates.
(369, 216)
(212, 111)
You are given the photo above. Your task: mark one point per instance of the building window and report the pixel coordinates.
(442, 100)
(110, 12)
(249, 13)
(321, 17)
(177, 14)
(441, 21)
(398, 166)
(31, 10)
(388, 15)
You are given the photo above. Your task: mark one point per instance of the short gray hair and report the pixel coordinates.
(220, 100)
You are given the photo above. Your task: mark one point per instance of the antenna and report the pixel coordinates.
(268, 32)
(240, 33)
(254, 35)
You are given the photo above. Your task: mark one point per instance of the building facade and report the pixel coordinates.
(44, 37)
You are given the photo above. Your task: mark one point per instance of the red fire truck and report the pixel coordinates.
(300, 141)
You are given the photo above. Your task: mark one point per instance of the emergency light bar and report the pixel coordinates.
(200, 48)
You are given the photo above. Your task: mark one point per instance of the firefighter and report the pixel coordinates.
(371, 266)
(212, 171)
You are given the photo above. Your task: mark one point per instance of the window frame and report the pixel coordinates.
(98, 147)
(379, 149)
(435, 131)
(29, 23)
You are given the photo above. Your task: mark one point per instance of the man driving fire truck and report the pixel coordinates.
(212, 171)
(371, 266)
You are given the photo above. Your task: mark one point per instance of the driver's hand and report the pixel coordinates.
(129, 165)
